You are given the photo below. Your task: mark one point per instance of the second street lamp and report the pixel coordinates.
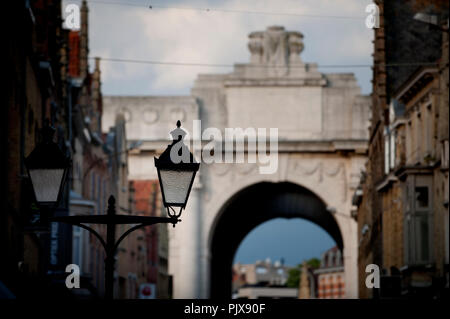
(175, 177)
(47, 169)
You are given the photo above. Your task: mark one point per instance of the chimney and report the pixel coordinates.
(84, 50)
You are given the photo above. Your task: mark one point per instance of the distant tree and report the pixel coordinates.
(293, 280)
(294, 274)
(314, 263)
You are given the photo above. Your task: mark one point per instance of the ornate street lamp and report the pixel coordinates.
(176, 173)
(48, 168)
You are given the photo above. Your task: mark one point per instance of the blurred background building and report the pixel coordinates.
(36, 90)
(380, 192)
(49, 78)
(263, 279)
(313, 279)
(330, 275)
(148, 202)
(322, 121)
(402, 201)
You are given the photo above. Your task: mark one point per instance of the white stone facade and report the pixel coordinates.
(322, 122)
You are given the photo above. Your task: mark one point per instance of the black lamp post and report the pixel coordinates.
(175, 177)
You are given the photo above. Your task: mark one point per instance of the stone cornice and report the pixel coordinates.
(285, 82)
(306, 146)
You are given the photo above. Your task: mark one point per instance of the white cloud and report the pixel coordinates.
(216, 37)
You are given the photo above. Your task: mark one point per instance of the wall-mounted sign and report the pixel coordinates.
(147, 291)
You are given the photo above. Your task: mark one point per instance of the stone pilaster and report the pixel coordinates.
(187, 282)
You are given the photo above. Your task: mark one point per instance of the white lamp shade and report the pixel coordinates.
(46, 184)
(176, 185)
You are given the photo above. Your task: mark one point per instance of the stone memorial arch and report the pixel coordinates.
(322, 121)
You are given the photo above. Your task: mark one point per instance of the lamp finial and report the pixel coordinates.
(178, 133)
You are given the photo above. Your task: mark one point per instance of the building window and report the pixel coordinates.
(389, 150)
(409, 142)
(428, 141)
(418, 218)
(421, 196)
(444, 154)
(418, 129)
(386, 153)
(392, 150)
(261, 270)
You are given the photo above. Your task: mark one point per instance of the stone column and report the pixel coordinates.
(304, 292)
(350, 259)
(187, 280)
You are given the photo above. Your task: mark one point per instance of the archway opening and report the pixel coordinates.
(251, 207)
(269, 261)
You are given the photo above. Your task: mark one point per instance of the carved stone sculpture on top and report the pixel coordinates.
(276, 49)
(256, 47)
(296, 47)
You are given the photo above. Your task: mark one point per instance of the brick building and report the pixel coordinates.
(49, 79)
(92, 178)
(100, 169)
(275, 273)
(422, 184)
(400, 222)
(330, 275)
(34, 92)
(148, 202)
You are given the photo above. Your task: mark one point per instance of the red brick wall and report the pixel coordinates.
(331, 286)
(74, 53)
(148, 203)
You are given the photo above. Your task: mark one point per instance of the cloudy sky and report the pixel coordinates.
(179, 31)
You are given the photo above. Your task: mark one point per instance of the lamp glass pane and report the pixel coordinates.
(46, 183)
(176, 185)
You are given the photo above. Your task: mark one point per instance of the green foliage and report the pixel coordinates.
(293, 278)
(313, 263)
(294, 275)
